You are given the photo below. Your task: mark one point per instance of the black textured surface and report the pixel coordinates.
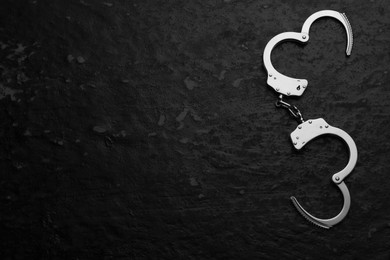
(146, 130)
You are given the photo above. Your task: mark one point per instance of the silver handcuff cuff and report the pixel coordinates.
(312, 128)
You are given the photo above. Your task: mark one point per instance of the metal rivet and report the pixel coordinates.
(295, 143)
(326, 126)
(297, 137)
(303, 86)
(288, 93)
(310, 122)
(299, 127)
(303, 36)
(270, 75)
(277, 89)
(337, 178)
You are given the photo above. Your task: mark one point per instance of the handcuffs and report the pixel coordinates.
(312, 128)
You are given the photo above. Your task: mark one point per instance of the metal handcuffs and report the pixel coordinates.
(310, 129)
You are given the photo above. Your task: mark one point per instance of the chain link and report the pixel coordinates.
(294, 111)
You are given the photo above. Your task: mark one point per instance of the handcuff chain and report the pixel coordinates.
(294, 111)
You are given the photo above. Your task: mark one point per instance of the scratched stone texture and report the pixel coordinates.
(145, 130)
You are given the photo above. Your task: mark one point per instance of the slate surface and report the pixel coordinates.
(146, 130)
